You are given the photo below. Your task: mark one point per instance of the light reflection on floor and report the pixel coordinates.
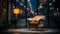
(27, 31)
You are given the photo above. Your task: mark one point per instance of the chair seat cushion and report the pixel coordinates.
(33, 23)
(41, 25)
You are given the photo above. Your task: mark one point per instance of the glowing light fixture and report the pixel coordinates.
(28, 0)
(16, 11)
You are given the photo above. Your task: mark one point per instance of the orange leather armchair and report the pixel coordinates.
(38, 22)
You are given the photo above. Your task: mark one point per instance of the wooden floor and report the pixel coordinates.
(27, 31)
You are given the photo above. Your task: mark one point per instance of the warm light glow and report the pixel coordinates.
(16, 11)
(4, 11)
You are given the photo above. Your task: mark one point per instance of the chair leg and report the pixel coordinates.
(36, 28)
(29, 27)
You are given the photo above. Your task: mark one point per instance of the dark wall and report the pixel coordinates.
(58, 3)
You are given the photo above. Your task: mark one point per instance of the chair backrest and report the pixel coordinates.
(38, 17)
